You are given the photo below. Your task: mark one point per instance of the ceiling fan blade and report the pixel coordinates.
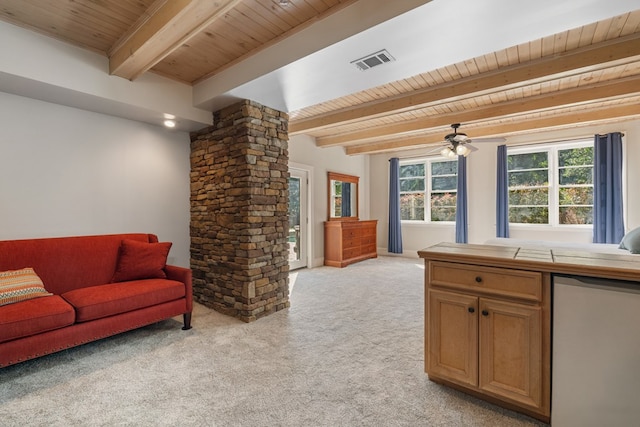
(488, 140)
(471, 147)
(437, 149)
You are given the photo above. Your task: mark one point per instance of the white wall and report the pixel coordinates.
(481, 167)
(40, 67)
(65, 171)
(303, 151)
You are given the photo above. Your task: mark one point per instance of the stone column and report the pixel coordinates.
(239, 212)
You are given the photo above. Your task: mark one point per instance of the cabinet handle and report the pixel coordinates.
(478, 279)
(471, 310)
(485, 313)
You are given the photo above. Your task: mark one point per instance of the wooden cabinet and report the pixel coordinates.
(487, 332)
(346, 242)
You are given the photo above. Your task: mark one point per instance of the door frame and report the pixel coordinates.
(306, 236)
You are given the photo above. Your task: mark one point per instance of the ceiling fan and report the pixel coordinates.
(457, 143)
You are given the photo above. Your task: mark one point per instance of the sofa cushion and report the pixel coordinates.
(96, 302)
(140, 260)
(20, 285)
(34, 316)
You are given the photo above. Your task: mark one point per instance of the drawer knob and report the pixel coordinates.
(485, 313)
(478, 279)
(471, 310)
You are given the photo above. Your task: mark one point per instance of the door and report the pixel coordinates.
(298, 222)
(511, 351)
(453, 337)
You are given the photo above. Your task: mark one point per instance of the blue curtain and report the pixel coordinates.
(346, 199)
(502, 194)
(461, 202)
(608, 222)
(395, 229)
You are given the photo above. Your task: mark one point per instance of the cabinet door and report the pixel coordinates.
(452, 337)
(511, 351)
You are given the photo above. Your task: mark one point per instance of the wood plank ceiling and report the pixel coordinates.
(582, 76)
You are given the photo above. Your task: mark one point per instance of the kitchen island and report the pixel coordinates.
(489, 318)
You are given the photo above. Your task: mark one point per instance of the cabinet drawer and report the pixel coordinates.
(350, 242)
(350, 232)
(368, 231)
(369, 249)
(350, 253)
(487, 280)
(368, 240)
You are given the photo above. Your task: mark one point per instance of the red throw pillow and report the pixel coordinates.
(141, 260)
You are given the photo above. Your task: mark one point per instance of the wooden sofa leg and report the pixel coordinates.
(187, 321)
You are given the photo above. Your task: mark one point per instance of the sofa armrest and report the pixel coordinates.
(183, 275)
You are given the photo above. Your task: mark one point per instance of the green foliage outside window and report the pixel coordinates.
(444, 187)
(530, 187)
(412, 187)
(575, 192)
(441, 190)
(294, 205)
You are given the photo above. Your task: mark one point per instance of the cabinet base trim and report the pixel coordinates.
(542, 417)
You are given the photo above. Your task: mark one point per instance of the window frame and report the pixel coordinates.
(428, 190)
(553, 176)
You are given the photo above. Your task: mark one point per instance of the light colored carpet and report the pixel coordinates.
(349, 352)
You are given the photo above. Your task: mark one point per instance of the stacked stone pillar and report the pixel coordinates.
(239, 212)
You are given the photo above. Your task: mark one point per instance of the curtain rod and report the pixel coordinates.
(558, 141)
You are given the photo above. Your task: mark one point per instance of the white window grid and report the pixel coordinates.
(427, 187)
(553, 174)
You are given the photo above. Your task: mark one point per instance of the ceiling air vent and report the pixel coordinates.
(373, 60)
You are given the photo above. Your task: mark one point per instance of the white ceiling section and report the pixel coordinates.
(434, 35)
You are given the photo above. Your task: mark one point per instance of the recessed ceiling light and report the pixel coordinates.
(170, 123)
(283, 2)
(169, 116)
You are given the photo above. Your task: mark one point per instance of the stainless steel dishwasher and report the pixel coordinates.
(595, 353)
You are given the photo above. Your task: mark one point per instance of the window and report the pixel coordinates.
(432, 179)
(551, 184)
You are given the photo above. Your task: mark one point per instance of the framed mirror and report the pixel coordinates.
(343, 196)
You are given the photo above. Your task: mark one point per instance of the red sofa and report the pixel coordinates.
(91, 298)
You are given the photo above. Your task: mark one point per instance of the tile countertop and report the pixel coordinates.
(553, 260)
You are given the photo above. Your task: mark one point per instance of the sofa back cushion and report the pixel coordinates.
(68, 263)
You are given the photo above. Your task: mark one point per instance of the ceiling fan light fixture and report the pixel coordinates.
(462, 150)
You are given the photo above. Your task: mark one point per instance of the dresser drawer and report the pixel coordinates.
(487, 280)
(350, 232)
(368, 240)
(369, 249)
(351, 253)
(369, 231)
(350, 242)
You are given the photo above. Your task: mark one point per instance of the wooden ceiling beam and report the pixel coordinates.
(592, 55)
(166, 26)
(566, 97)
(531, 125)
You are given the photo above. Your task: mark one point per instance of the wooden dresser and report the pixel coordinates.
(346, 242)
